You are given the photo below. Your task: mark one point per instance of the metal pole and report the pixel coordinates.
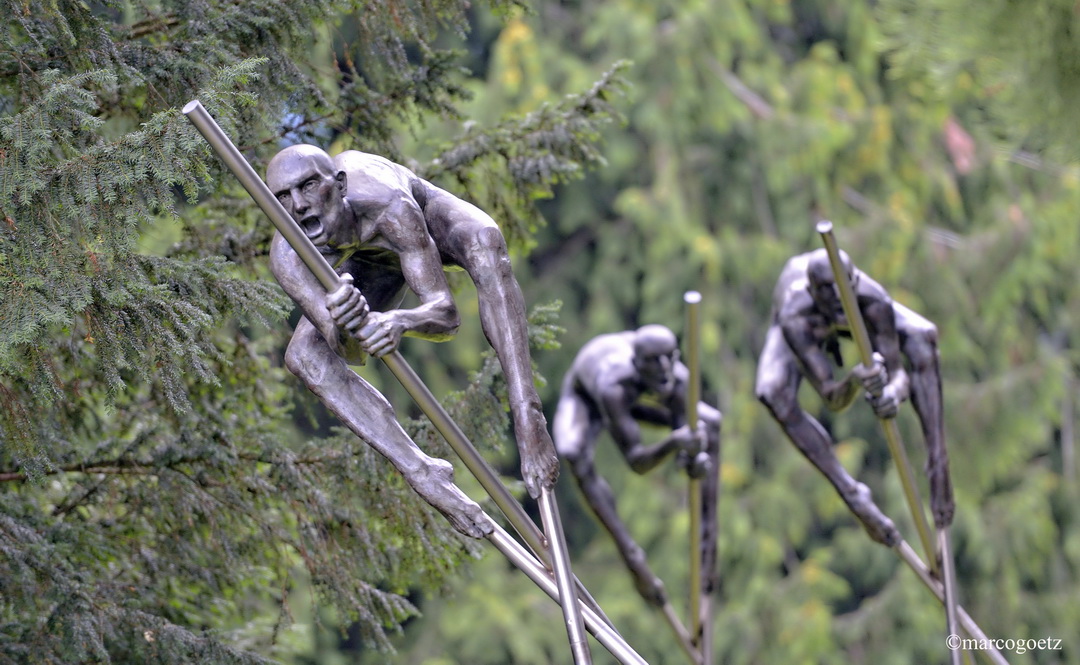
(949, 587)
(911, 558)
(431, 407)
(698, 604)
(682, 635)
(560, 558)
(479, 467)
(892, 436)
(528, 564)
(866, 354)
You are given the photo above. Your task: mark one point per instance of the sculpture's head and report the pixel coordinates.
(311, 188)
(655, 353)
(821, 283)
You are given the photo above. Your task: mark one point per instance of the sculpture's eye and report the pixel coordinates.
(310, 185)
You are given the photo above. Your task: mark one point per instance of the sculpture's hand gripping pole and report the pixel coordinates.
(892, 437)
(597, 623)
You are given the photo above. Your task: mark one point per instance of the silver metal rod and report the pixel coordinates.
(866, 353)
(479, 467)
(892, 437)
(329, 279)
(693, 396)
(560, 559)
(948, 579)
(911, 558)
(603, 633)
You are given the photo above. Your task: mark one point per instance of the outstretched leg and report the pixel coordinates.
(576, 429)
(710, 497)
(777, 387)
(918, 340)
(367, 413)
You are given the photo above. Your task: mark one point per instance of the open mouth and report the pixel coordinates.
(312, 226)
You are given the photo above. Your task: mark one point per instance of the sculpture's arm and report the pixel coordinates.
(881, 324)
(301, 285)
(837, 394)
(616, 405)
(436, 317)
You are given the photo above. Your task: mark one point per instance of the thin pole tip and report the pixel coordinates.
(692, 297)
(191, 106)
(824, 226)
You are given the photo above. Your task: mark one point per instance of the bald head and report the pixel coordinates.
(310, 187)
(297, 162)
(654, 340)
(655, 353)
(819, 269)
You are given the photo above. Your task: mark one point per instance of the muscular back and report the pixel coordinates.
(604, 362)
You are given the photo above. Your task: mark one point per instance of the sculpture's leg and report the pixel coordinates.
(367, 413)
(467, 236)
(710, 490)
(918, 338)
(777, 387)
(503, 318)
(577, 427)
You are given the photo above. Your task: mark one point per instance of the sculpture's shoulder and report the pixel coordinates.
(373, 177)
(791, 296)
(605, 361)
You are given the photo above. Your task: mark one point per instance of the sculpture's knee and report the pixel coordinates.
(301, 361)
(778, 401)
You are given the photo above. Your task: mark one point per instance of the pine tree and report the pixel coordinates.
(162, 478)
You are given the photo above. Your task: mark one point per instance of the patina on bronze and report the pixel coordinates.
(807, 321)
(861, 335)
(312, 204)
(616, 382)
(820, 297)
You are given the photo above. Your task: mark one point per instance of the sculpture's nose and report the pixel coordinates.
(299, 204)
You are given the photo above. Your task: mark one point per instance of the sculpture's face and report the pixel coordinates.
(310, 188)
(655, 355)
(823, 289)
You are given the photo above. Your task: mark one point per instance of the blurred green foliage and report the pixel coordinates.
(934, 134)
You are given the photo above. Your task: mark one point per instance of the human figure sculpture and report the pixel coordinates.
(617, 381)
(803, 341)
(384, 229)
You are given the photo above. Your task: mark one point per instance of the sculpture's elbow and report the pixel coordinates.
(451, 321)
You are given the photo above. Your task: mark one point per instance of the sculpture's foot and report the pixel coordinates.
(880, 527)
(435, 483)
(539, 463)
(941, 498)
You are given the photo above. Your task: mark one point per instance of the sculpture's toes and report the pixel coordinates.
(437, 487)
(880, 527)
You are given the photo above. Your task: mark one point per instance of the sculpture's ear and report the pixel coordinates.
(342, 180)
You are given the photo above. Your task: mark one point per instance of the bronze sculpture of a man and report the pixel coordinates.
(386, 229)
(617, 381)
(803, 342)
